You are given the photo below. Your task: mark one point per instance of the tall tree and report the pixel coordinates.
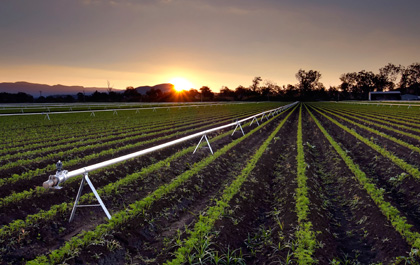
(308, 82)
(410, 79)
(154, 94)
(206, 93)
(240, 92)
(225, 92)
(388, 75)
(255, 83)
(359, 84)
(268, 89)
(131, 94)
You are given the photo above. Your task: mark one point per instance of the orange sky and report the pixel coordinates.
(214, 43)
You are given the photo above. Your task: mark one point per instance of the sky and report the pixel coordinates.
(211, 43)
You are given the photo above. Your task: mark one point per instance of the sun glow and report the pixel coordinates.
(181, 84)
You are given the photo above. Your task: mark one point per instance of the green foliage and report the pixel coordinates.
(205, 223)
(392, 214)
(305, 235)
(109, 189)
(398, 161)
(413, 171)
(378, 124)
(120, 218)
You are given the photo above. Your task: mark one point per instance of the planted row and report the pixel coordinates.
(124, 216)
(392, 214)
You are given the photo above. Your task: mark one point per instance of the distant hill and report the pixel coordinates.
(47, 90)
(163, 87)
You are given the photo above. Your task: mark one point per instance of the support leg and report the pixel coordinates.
(208, 143)
(73, 211)
(97, 196)
(79, 193)
(238, 125)
(256, 120)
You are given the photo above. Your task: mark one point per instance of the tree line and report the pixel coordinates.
(354, 85)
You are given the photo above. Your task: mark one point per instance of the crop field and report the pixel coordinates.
(318, 183)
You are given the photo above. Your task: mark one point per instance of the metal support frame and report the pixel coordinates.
(238, 124)
(262, 117)
(92, 114)
(47, 117)
(61, 175)
(208, 143)
(115, 112)
(137, 111)
(256, 120)
(79, 193)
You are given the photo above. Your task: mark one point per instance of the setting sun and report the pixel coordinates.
(181, 84)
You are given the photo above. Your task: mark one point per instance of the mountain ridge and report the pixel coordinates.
(37, 90)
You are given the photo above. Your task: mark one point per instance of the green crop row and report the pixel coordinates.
(15, 197)
(22, 133)
(110, 189)
(384, 120)
(135, 209)
(405, 114)
(78, 132)
(391, 138)
(86, 138)
(411, 135)
(32, 173)
(392, 214)
(86, 147)
(206, 222)
(304, 234)
(398, 161)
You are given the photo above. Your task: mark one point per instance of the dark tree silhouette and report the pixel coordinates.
(206, 93)
(193, 95)
(153, 94)
(226, 93)
(388, 75)
(308, 82)
(268, 89)
(19, 97)
(130, 94)
(255, 83)
(98, 97)
(359, 84)
(410, 79)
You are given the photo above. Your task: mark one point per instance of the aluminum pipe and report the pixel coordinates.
(62, 175)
